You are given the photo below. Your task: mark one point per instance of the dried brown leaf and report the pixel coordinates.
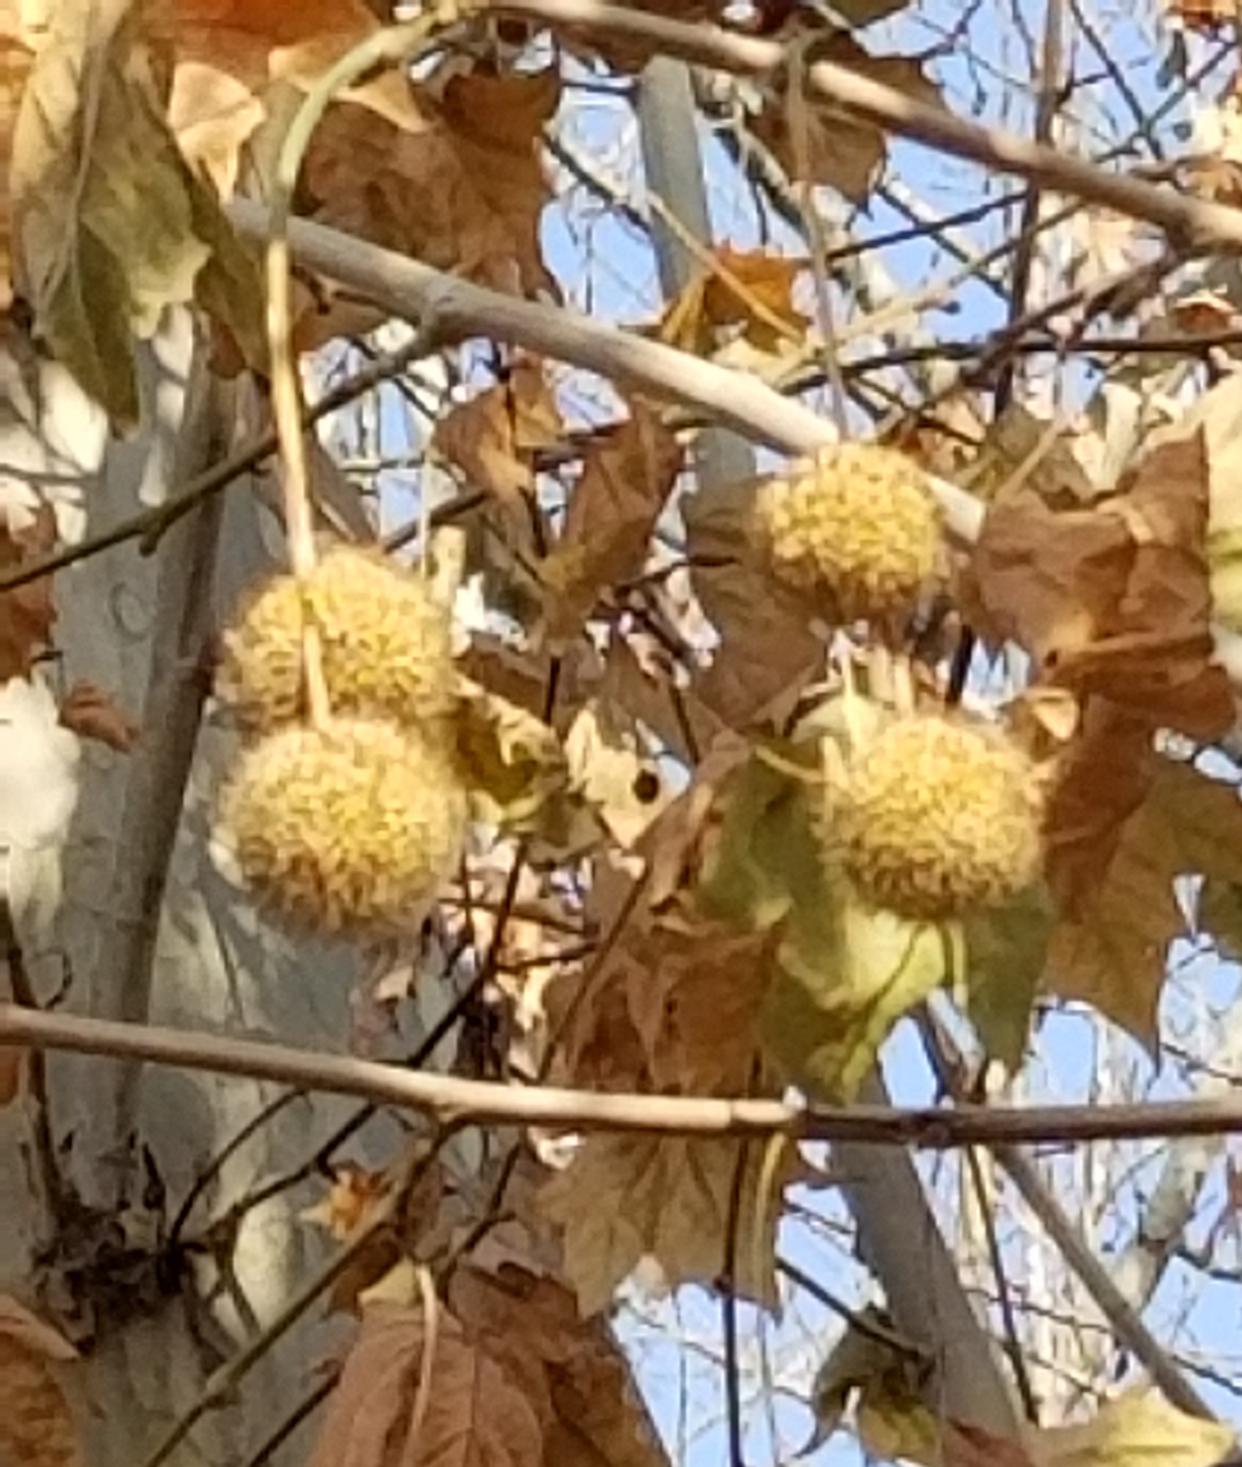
(12, 1073)
(814, 142)
(626, 1198)
(494, 436)
(695, 990)
(1114, 601)
(478, 1414)
(1111, 945)
(625, 482)
(767, 652)
(597, 1417)
(91, 714)
(464, 192)
(28, 612)
(36, 1424)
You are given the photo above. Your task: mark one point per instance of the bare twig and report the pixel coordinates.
(151, 525)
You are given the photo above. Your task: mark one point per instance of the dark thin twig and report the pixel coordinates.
(152, 524)
(36, 1072)
(309, 1403)
(727, 1284)
(862, 1323)
(1013, 1346)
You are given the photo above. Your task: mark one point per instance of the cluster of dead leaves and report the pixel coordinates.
(1109, 594)
(502, 1370)
(127, 125)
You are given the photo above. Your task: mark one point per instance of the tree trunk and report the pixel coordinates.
(123, 911)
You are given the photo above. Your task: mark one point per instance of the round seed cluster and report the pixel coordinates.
(858, 534)
(386, 645)
(349, 828)
(936, 820)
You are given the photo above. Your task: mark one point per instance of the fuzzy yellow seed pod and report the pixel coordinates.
(385, 638)
(351, 828)
(858, 534)
(936, 820)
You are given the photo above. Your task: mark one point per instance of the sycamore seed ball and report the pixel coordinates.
(346, 829)
(937, 820)
(858, 533)
(386, 640)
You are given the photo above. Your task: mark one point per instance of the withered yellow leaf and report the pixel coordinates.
(1139, 1429)
(111, 226)
(844, 977)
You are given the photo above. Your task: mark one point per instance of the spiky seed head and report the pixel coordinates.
(348, 829)
(858, 534)
(936, 819)
(386, 645)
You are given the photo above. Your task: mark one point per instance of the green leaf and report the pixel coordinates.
(767, 860)
(884, 1385)
(844, 975)
(1006, 950)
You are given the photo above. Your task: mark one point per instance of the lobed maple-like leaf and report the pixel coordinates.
(1110, 946)
(463, 191)
(627, 1198)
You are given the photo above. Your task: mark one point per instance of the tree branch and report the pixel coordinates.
(483, 1102)
(1192, 223)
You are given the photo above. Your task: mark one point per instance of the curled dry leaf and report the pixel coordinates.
(90, 713)
(625, 482)
(1113, 601)
(493, 438)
